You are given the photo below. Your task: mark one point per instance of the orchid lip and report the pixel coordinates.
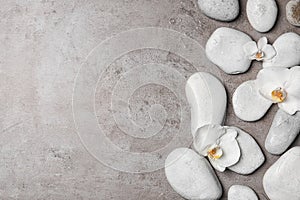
(259, 55)
(278, 95)
(215, 153)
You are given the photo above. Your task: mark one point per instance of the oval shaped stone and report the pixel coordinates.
(191, 176)
(248, 104)
(241, 192)
(207, 98)
(220, 10)
(287, 47)
(293, 12)
(251, 155)
(262, 14)
(284, 129)
(225, 49)
(282, 179)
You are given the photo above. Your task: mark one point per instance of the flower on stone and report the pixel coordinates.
(281, 86)
(253, 98)
(219, 144)
(261, 51)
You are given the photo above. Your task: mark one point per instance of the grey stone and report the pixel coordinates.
(225, 49)
(251, 155)
(241, 192)
(191, 176)
(219, 9)
(282, 180)
(293, 12)
(262, 14)
(287, 46)
(284, 129)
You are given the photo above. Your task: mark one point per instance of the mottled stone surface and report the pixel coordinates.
(262, 14)
(241, 192)
(293, 12)
(191, 175)
(219, 9)
(225, 49)
(284, 129)
(251, 155)
(44, 43)
(282, 179)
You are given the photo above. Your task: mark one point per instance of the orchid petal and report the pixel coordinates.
(216, 165)
(250, 48)
(270, 79)
(262, 42)
(291, 105)
(269, 52)
(276, 75)
(231, 150)
(206, 136)
(293, 85)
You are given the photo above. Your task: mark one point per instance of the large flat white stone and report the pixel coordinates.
(225, 49)
(248, 104)
(282, 180)
(207, 98)
(191, 176)
(284, 129)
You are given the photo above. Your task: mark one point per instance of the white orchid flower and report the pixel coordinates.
(261, 51)
(281, 86)
(252, 99)
(219, 144)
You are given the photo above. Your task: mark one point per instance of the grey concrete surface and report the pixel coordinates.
(44, 43)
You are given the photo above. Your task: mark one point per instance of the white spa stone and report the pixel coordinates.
(262, 14)
(284, 129)
(248, 104)
(219, 9)
(251, 155)
(287, 47)
(241, 192)
(293, 12)
(191, 176)
(207, 98)
(282, 180)
(225, 49)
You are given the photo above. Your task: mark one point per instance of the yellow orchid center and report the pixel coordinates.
(259, 55)
(279, 95)
(215, 153)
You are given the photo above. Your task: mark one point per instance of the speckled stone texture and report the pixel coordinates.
(44, 43)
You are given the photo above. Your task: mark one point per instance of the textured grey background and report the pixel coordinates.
(43, 43)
